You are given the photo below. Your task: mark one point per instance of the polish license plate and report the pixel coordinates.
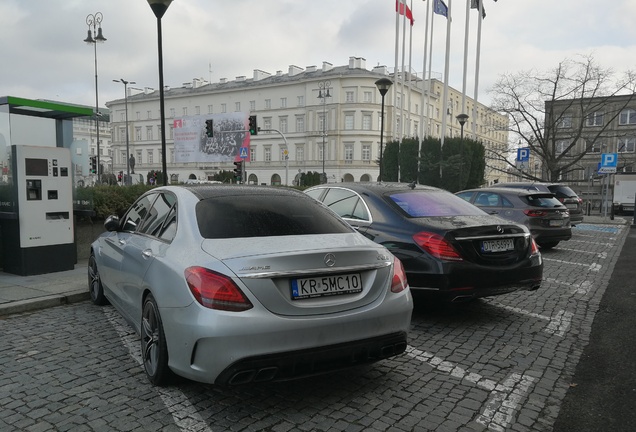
(572, 206)
(326, 286)
(497, 245)
(556, 222)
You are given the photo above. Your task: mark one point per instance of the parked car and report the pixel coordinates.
(236, 284)
(546, 217)
(450, 249)
(563, 193)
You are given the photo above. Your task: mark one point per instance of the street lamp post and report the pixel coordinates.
(123, 81)
(159, 7)
(461, 118)
(383, 85)
(94, 22)
(323, 93)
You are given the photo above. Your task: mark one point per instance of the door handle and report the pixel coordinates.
(147, 254)
(122, 242)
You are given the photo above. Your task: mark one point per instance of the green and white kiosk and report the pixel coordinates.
(36, 187)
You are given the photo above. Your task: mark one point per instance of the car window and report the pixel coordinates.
(265, 215)
(544, 200)
(154, 221)
(487, 199)
(466, 196)
(346, 204)
(137, 212)
(562, 191)
(315, 193)
(432, 203)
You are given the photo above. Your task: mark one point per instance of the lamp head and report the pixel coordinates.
(89, 39)
(100, 37)
(462, 118)
(383, 85)
(159, 7)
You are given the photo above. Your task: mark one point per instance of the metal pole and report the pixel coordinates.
(381, 135)
(161, 105)
(97, 117)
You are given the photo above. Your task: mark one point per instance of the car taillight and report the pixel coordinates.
(534, 247)
(398, 282)
(216, 291)
(437, 246)
(535, 213)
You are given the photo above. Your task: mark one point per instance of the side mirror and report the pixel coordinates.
(112, 223)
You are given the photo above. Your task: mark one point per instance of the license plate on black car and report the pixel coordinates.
(497, 245)
(326, 286)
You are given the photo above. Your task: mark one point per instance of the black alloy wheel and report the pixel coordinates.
(95, 287)
(154, 350)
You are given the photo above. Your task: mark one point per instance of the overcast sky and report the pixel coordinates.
(43, 56)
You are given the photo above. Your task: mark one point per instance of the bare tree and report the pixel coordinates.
(549, 111)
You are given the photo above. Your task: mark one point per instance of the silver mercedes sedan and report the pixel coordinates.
(238, 284)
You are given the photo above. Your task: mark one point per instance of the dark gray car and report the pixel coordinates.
(546, 217)
(562, 192)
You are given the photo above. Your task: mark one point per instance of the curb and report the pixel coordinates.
(43, 302)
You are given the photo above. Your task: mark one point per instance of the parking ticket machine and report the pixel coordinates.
(41, 239)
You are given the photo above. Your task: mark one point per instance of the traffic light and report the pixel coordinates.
(238, 171)
(93, 164)
(209, 128)
(253, 128)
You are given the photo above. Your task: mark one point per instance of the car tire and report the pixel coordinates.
(95, 287)
(548, 245)
(154, 350)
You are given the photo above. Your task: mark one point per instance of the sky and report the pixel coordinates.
(43, 56)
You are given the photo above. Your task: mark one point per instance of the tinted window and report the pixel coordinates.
(491, 199)
(137, 212)
(466, 196)
(346, 203)
(154, 222)
(433, 203)
(315, 193)
(265, 215)
(562, 191)
(546, 201)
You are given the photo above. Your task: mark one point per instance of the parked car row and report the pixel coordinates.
(238, 284)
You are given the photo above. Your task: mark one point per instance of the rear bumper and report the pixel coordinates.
(464, 281)
(551, 234)
(303, 363)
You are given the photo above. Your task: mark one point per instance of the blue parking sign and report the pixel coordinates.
(523, 154)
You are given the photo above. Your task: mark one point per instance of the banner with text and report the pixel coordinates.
(192, 144)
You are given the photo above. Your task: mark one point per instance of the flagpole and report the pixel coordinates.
(403, 78)
(477, 55)
(424, 105)
(424, 111)
(446, 73)
(410, 70)
(466, 31)
(395, 70)
(429, 120)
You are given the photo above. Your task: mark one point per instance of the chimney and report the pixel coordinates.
(326, 66)
(357, 63)
(259, 74)
(294, 70)
(310, 68)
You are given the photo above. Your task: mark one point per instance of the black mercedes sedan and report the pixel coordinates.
(450, 249)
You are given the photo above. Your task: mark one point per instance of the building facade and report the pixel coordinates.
(309, 119)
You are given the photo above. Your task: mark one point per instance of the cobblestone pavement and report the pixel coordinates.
(500, 364)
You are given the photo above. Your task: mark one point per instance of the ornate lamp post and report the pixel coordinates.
(159, 7)
(94, 22)
(323, 93)
(125, 83)
(383, 85)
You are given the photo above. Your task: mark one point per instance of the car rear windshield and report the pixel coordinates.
(541, 200)
(562, 191)
(433, 203)
(265, 215)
